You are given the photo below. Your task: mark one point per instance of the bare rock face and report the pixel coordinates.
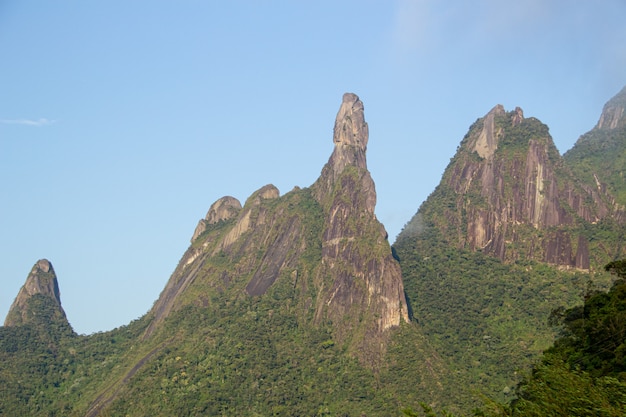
(507, 183)
(42, 281)
(355, 251)
(350, 136)
(613, 116)
(324, 242)
(223, 209)
(486, 142)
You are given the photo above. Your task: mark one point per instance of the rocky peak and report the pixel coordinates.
(350, 135)
(612, 115)
(518, 116)
(486, 142)
(325, 240)
(223, 209)
(42, 280)
(517, 188)
(355, 251)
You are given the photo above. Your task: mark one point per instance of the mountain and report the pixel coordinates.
(296, 304)
(285, 305)
(599, 156)
(325, 241)
(39, 299)
(509, 234)
(508, 193)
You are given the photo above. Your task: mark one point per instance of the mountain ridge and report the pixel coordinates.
(506, 182)
(297, 304)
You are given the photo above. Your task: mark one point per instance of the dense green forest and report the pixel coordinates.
(584, 372)
(248, 356)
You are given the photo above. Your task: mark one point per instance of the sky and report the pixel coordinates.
(122, 122)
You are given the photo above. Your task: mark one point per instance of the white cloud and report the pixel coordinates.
(28, 122)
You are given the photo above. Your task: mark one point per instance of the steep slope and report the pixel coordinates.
(506, 193)
(509, 234)
(599, 156)
(288, 304)
(39, 299)
(33, 361)
(325, 240)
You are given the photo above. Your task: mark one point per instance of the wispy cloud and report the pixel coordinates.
(27, 122)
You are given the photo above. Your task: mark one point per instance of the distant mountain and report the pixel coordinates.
(599, 156)
(507, 193)
(509, 234)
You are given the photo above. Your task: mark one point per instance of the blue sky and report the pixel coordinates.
(121, 122)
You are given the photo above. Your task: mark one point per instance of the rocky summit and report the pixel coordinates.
(40, 283)
(509, 195)
(325, 240)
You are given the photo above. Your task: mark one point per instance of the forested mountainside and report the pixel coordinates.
(599, 156)
(510, 234)
(298, 305)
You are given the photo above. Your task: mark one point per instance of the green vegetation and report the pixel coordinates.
(245, 333)
(486, 318)
(600, 156)
(583, 373)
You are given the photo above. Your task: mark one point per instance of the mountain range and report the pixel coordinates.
(297, 304)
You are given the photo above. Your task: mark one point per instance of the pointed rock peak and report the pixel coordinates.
(613, 115)
(486, 142)
(350, 136)
(225, 208)
(42, 280)
(497, 110)
(350, 127)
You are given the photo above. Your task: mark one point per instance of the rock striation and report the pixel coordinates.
(354, 244)
(323, 242)
(508, 194)
(41, 282)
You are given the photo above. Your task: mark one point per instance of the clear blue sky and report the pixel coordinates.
(122, 121)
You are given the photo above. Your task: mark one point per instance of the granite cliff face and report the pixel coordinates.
(40, 284)
(508, 194)
(354, 244)
(324, 241)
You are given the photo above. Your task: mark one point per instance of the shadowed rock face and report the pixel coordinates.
(42, 280)
(349, 276)
(507, 183)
